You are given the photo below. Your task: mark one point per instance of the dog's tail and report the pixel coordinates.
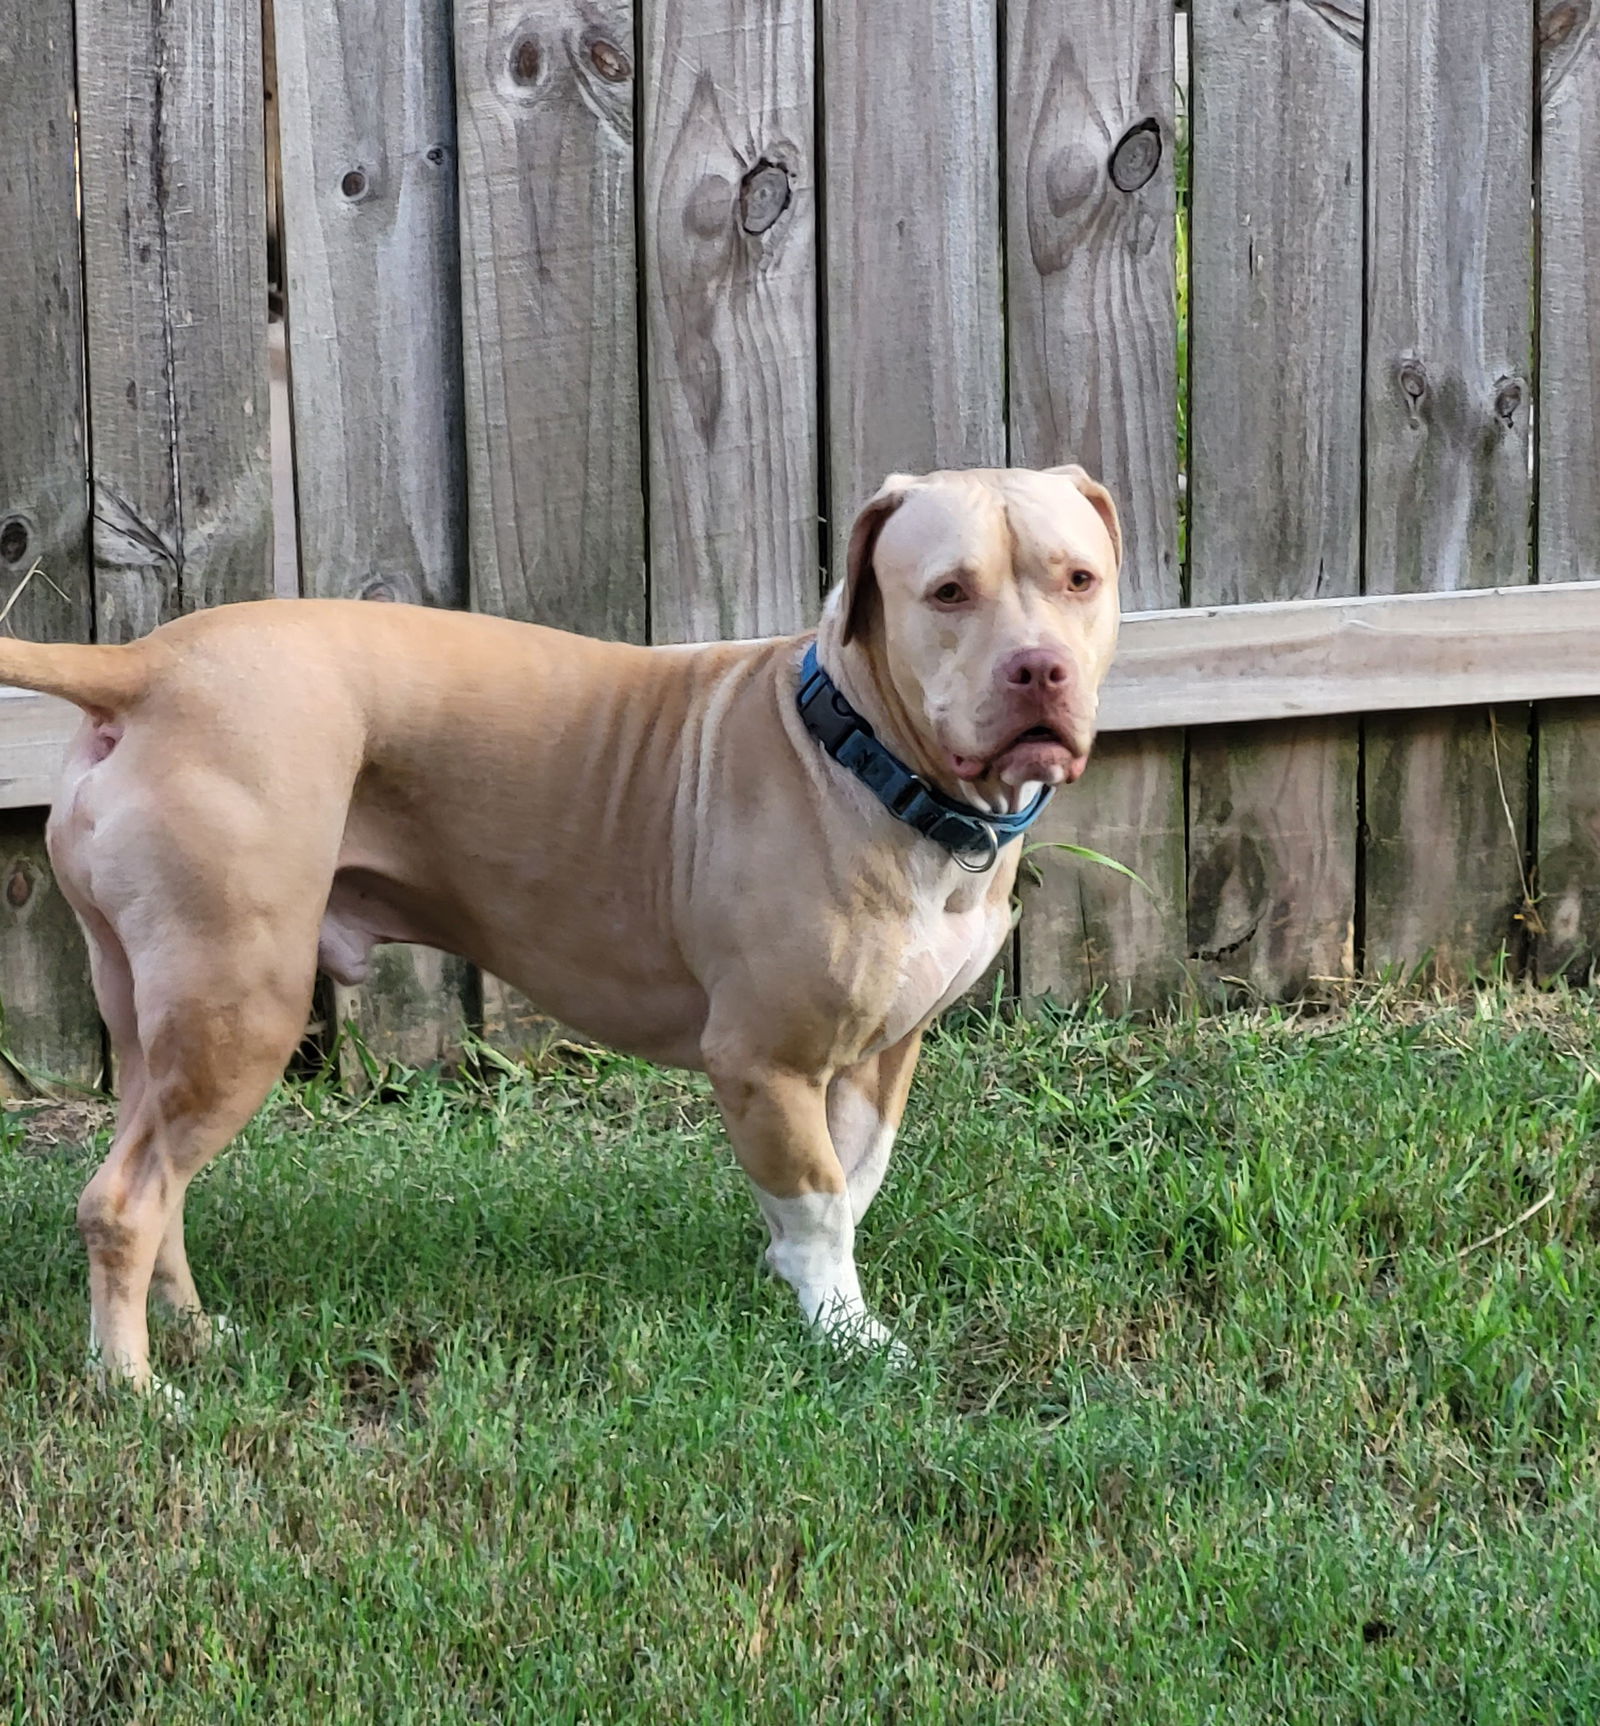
(101, 680)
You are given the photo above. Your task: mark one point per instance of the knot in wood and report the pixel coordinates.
(19, 889)
(13, 539)
(379, 589)
(1136, 157)
(1507, 399)
(764, 195)
(1413, 380)
(706, 213)
(354, 185)
(1557, 23)
(609, 60)
(524, 60)
(435, 154)
(1068, 179)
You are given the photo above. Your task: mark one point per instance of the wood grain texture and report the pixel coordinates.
(1298, 659)
(369, 197)
(549, 312)
(44, 498)
(1450, 249)
(373, 295)
(1568, 943)
(731, 312)
(414, 1007)
(915, 348)
(1090, 239)
(1274, 465)
(50, 1024)
(1086, 929)
(174, 235)
(50, 1021)
(1568, 850)
(34, 733)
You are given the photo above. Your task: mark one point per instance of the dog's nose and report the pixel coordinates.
(1038, 668)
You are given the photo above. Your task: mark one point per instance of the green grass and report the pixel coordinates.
(1212, 1420)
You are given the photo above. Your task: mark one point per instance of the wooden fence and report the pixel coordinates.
(608, 315)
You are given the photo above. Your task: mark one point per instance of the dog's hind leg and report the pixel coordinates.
(215, 1031)
(171, 1282)
(865, 1104)
(196, 836)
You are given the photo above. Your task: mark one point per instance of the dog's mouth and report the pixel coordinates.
(1037, 755)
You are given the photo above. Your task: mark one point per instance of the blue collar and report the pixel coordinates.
(972, 838)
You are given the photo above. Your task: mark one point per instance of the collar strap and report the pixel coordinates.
(971, 837)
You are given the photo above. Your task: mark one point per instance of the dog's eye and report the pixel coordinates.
(949, 593)
(1081, 581)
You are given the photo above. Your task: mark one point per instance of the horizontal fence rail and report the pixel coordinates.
(1222, 665)
(1301, 659)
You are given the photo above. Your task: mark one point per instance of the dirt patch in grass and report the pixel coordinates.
(68, 1125)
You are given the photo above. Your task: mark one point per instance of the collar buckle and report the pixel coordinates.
(965, 833)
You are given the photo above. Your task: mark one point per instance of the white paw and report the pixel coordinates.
(216, 1330)
(856, 1331)
(166, 1399)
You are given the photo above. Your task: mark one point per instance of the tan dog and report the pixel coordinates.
(648, 841)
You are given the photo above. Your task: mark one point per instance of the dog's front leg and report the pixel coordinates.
(778, 1122)
(865, 1104)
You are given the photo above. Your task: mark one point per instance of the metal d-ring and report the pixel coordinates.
(990, 857)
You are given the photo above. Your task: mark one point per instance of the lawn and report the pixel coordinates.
(1226, 1408)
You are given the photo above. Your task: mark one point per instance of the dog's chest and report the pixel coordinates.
(946, 950)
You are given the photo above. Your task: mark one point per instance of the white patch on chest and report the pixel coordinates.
(945, 954)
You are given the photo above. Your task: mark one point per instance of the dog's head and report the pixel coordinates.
(987, 602)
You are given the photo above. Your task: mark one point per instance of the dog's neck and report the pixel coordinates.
(857, 668)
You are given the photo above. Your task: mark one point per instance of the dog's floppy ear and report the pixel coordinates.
(860, 581)
(1100, 498)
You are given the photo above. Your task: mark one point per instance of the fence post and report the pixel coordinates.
(1448, 387)
(1569, 474)
(368, 142)
(916, 339)
(556, 520)
(1090, 239)
(174, 258)
(50, 1023)
(730, 294)
(1274, 469)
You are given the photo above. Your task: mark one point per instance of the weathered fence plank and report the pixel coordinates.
(174, 237)
(1449, 151)
(1382, 653)
(549, 312)
(49, 1019)
(373, 278)
(1090, 236)
(910, 151)
(1275, 465)
(731, 309)
(369, 197)
(556, 513)
(1569, 471)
